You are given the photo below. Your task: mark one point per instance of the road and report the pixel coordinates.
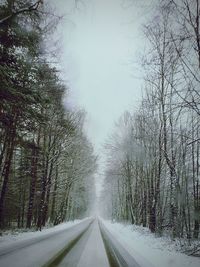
(81, 245)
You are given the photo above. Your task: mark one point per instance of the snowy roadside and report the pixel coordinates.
(148, 250)
(10, 237)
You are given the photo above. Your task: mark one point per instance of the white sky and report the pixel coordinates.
(101, 42)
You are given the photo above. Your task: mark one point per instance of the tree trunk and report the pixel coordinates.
(6, 169)
(32, 187)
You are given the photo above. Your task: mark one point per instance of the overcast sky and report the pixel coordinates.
(101, 42)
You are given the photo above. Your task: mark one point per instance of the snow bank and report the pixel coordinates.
(148, 250)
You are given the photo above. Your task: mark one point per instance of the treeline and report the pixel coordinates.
(152, 176)
(46, 161)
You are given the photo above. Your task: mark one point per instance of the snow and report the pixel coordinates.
(9, 238)
(94, 253)
(145, 248)
(89, 251)
(148, 250)
(35, 249)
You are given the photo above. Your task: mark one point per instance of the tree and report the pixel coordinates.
(45, 159)
(19, 46)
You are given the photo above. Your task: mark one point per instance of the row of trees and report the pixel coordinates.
(152, 176)
(45, 158)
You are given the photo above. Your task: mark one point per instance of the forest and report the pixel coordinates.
(46, 160)
(152, 171)
(48, 164)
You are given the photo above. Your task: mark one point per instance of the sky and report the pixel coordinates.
(101, 43)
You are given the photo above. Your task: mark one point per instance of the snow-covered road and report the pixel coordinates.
(90, 243)
(89, 251)
(94, 253)
(96, 248)
(36, 251)
(80, 245)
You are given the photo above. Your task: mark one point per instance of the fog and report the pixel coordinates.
(101, 46)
